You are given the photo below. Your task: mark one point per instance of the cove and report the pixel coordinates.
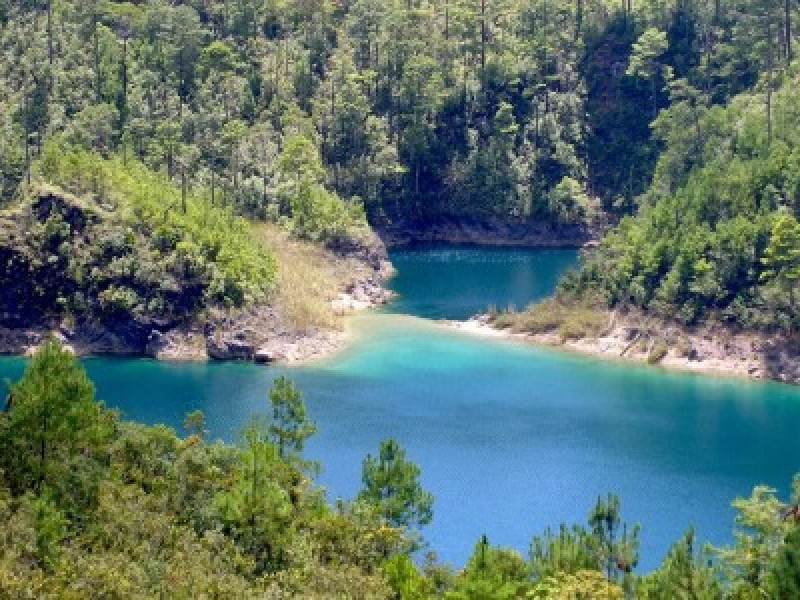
(510, 438)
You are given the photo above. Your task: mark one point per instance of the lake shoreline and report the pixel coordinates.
(710, 350)
(258, 334)
(489, 233)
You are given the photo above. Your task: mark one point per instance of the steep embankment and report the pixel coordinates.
(490, 232)
(110, 274)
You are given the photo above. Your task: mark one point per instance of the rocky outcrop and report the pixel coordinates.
(494, 232)
(709, 348)
(261, 334)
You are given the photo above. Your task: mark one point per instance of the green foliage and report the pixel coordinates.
(568, 315)
(498, 110)
(491, 573)
(255, 508)
(786, 568)
(716, 237)
(210, 242)
(54, 433)
(168, 517)
(583, 585)
(760, 534)
(195, 423)
(782, 256)
(404, 578)
(289, 426)
(685, 573)
(565, 565)
(570, 551)
(321, 216)
(647, 50)
(618, 548)
(391, 484)
(415, 112)
(50, 526)
(317, 214)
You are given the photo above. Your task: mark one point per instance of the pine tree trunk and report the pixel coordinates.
(787, 16)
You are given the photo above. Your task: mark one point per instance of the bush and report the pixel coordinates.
(322, 216)
(572, 317)
(715, 236)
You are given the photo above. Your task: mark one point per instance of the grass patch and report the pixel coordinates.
(658, 352)
(571, 318)
(309, 277)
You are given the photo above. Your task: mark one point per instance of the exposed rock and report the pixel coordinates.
(223, 348)
(177, 344)
(266, 356)
(713, 348)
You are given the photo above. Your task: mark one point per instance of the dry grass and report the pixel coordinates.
(309, 278)
(570, 319)
(658, 352)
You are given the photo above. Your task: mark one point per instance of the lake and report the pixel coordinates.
(510, 438)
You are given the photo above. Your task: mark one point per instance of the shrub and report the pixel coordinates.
(572, 317)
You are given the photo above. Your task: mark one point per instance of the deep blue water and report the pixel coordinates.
(457, 282)
(510, 438)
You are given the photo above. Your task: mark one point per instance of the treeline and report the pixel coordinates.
(94, 506)
(417, 109)
(717, 236)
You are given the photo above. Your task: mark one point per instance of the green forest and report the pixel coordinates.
(659, 116)
(143, 146)
(95, 506)
(495, 108)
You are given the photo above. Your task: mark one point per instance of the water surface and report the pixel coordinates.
(457, 282)
(510, 438)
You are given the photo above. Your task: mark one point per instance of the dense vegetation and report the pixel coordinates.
(317, 114)
(126, 248)
(418, 109)
(717, 236)
(92, 505)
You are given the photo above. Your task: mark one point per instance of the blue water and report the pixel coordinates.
(457, 282)
(510, 438)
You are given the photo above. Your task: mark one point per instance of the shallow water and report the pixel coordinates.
(510, 438)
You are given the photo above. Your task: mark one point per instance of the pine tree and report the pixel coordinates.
(289, 426)
(54, 424)
(391, 483)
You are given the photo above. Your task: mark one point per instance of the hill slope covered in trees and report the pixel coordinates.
(493, 109)
(706, 266)
(418, 114)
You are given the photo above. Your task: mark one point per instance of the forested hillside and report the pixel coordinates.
(717, 235)
(470, 109)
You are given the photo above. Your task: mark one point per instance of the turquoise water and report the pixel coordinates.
(510, 438)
